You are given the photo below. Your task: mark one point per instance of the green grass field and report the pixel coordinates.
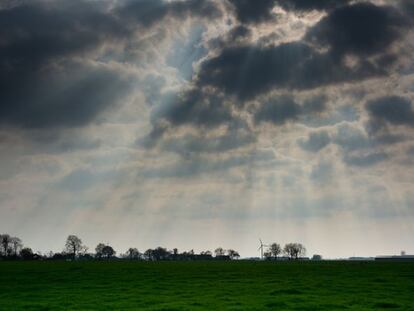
(206, 286)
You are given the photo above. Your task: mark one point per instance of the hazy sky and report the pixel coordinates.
(205, 123)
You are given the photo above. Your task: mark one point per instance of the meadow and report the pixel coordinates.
(168, 286)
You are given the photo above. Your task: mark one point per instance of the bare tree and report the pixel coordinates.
(294, 250)
(26, 253)
(74, 246)
(317, 257)
(108, 252)
(159, 253)
(267, 255)
(219, 252)
(99, 250)
(16, 245)
(275, 250)
(5, 241)
(133, 253)
(233, 254)
(149, 254)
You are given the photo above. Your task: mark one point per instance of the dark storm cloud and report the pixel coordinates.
(251, 70)
(362, 29)
(248, 11)
(55, 97)
(243, 70)
(315, 104)
(40, 86)
(149, 12)
(309, 5)
(48, 74)
(394, 110)
(278, 111)
(407, 6)
(192, 107)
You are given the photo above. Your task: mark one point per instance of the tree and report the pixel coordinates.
(219, 252)
(233, 254)
(108, 252)
(99, 250)
(160, 253)
(316, 257)
(294, 250)
(74, 246)
(133, 254)
(16, 245)
(275, 250)
(26, 253)
(267, 255)
(5, 241)
(148, 254)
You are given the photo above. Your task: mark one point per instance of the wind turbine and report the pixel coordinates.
(261, 248)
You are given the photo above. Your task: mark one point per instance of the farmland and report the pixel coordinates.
(123, 285)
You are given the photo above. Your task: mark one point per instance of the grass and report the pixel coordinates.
(171, 286)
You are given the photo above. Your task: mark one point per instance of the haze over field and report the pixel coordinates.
(203, 123)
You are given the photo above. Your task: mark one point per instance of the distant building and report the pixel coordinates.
(361, 258)
(395, 258)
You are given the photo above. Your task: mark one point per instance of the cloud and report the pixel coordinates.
(253, 11)
(204, 164)
(365, 160)
(58, 58)
(62, 97)
(192, 107)
(77, 180)
(351, 137)
(362, 29)
(278, 111)
(149, 12)
(407, 6)
(316, 141)
(248, 71)
(41, 84)
(395, 110)
(192, 143)
(309, 5)
(322, 172)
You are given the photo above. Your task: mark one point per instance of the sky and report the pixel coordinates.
(204, 123)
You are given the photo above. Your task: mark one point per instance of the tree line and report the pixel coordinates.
(12, 248)
(290, 250)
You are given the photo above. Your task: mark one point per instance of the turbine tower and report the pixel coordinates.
(261, 248)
